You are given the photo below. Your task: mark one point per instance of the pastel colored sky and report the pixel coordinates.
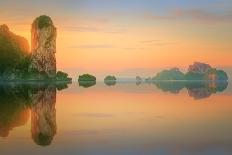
(130, 36)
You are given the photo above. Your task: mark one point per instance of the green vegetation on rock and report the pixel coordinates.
(15, 58)
(196, 72)
(172, 74)
(110, 78)
(44, 21)
(86, 77)
(62, 76)
(14, 52)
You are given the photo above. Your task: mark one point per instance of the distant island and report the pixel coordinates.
(19, 63)
(196, 72)
(110, 80)
(138, 80)
(87, 78)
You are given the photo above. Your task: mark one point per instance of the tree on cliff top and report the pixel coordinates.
(43, 21)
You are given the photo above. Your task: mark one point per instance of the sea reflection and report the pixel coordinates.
(196, 89)
(110, 82)
(16, 102)
(116, 120)
(87, 84)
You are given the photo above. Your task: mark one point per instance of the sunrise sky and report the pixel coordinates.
(130, 37)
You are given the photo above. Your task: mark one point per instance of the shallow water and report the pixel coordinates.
(125, 119)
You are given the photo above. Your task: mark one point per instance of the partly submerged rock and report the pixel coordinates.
(139, 80)
(86, 77)
(110, 78)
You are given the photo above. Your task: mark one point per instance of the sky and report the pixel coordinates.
(130, 37)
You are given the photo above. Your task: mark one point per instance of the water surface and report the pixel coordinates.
(123, 118)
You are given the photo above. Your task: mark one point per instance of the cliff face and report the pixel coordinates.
(15, 40)
(13, 49)
(43, 46)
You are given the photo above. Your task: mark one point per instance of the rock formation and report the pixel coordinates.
(138, 80)
(13, 49)
(202, 71)
(43, 46)
(13, 39)
(172, 74)
(198, 67)
(110, 80)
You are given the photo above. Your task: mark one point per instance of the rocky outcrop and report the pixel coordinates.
(43, 46)
(202, 71)
(199, 68)
(138, 80)
(110, 80)
(172, 74)
(15, 40)
(13, 49)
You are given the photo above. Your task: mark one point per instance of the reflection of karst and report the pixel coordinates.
(172, 87)
(110, 83)
(199, 93)
(43, 116)
(197, 90)
(14, 109)
(86, 84)
(16, 99)
(205, 89)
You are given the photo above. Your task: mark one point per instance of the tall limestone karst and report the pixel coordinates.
(43, 46)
